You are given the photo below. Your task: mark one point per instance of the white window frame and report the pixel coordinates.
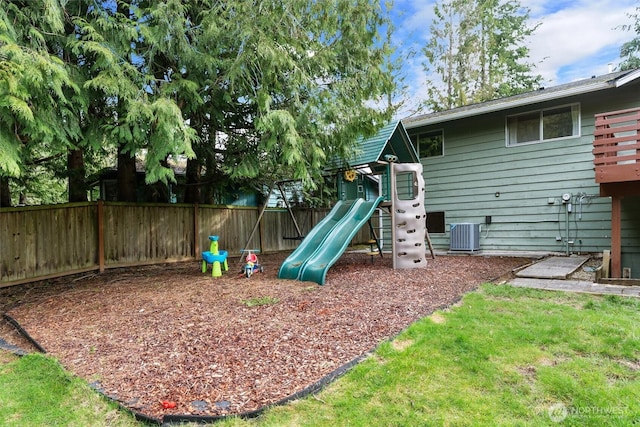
(576, 125)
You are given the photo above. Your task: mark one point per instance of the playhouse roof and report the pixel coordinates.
(391, 139)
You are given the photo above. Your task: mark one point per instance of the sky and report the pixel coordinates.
(574, 39)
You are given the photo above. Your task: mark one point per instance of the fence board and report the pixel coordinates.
(278, 225)
(49, 241)
(46, 241)
(143, 234)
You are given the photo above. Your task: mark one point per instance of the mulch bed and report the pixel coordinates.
(169, 333)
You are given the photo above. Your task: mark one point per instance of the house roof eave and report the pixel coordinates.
(627, 78)
(558, 92)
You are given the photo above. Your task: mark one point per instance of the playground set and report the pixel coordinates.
(390, 161)
(384, 176)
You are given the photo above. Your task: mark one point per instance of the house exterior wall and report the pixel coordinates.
(630, 225)
(520, 187)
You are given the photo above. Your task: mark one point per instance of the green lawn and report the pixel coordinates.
(503, 356)
(36, 391)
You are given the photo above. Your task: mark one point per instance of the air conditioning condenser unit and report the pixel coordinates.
(465, 237)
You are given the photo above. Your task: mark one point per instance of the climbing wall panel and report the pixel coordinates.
(409, 216)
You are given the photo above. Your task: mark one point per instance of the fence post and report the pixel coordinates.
(261, 234)
(101, 235)
(195, 231)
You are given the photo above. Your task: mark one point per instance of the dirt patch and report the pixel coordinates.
(438, 318)
(170, 333)
(633, 365)
(400, 345)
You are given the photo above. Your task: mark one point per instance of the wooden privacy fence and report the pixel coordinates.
(42, 242)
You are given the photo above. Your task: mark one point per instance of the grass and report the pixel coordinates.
(502, 356)
(36, 391)
(260, 301)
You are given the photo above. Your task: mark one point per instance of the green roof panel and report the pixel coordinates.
(390, 139)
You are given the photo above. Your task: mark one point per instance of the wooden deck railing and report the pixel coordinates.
(616, 146)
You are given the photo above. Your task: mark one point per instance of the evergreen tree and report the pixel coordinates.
(37, 112)
(309, 72)
(141, 118)
(270, 88)
(246, 90)
(630, 51)
(477, 52)
(442, 53)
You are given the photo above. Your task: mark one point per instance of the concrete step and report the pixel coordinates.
(554, 267)
(575, 286)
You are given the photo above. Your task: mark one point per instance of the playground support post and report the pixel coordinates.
(286, 202)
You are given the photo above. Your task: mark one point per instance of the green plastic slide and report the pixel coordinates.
(290, 268)
(336, 237)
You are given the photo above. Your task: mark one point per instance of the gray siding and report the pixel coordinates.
(521, 187)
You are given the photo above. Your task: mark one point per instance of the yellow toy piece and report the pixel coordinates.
(350, 175)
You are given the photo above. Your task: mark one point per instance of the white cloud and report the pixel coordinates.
(570, 36)
(416, 18)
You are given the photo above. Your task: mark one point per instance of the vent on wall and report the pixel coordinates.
(465, 237)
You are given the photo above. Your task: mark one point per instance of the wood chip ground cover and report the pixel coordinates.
(170, 333)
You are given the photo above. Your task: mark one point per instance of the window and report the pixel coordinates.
(435, 222)
(429, 144)
(543, 125)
